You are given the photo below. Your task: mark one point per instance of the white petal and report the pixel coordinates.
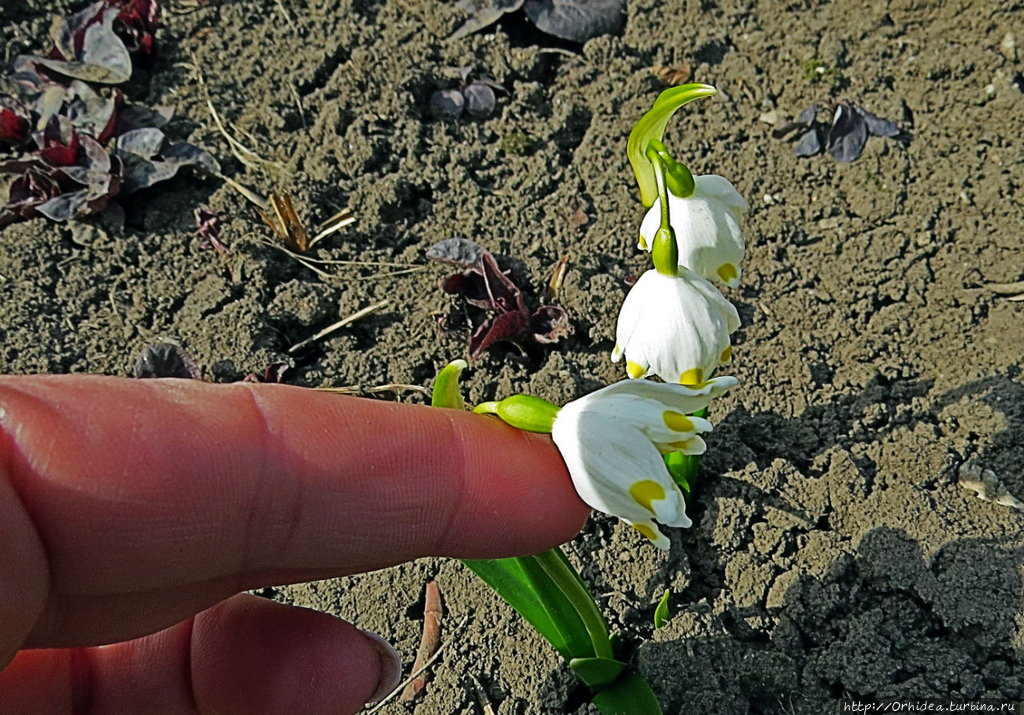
(677, 326)
(606, 458)
(706, 224)
(659, 540)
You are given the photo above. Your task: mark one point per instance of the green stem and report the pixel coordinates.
(680, 179)
(580, 599)
(664, 250)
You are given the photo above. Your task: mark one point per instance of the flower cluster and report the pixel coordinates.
(674, 324)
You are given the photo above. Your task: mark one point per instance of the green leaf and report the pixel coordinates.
(661, 613)
(597, 672)
(530, 591)
(446, 386)
(652, 127)
(683, 468)
(629, 695)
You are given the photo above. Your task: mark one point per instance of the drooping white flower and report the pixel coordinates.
(676, 327)
(612, 442)
(707, 228)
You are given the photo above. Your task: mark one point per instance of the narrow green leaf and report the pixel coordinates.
(446, 386)
(597, 672)
(629, 695)
(528, 589)
(652, 126)
(661, 613)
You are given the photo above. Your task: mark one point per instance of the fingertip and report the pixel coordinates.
(251, 656)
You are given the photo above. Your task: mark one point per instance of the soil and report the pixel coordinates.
(833, 552)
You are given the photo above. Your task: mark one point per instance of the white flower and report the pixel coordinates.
(612, 441)
(707, 228)
(676, 327)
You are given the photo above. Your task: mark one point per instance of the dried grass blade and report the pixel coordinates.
(337, 326)
(430, 641)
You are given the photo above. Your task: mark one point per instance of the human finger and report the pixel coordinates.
(149, 488)
(245, 655)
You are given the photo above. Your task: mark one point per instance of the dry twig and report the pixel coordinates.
(430, 641)
(337, 326)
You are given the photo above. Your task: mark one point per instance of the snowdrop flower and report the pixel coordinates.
(612, 442)
(676, 327)
(707, 228)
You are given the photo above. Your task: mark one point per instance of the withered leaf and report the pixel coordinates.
(809, 144)
(102, 58)
(848, 134)
(577, 20)
(673, 75)
(458, 251)
(482, 13)
(879, 127)
(166, 360)
(484, 285)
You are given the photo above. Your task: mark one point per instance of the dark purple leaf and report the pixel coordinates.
(549, 324)
(479, 99)
(848, 134)
(446, 104)
(166, 360)
(504, 326)
(809, 144)
(577, 20)
(806, 116)
(89, 111)
(459, 251)
(879, 127)
(15, 120)
(483, 13)
(136, 116)
(274, 373)
(65, 207)
(208, 225)
(471, 286)
(149, 157)
(505, 296)
(146, 142)
(98, 56)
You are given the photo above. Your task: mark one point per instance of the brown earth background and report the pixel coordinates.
(833, 551)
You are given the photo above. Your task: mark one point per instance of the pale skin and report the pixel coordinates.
(134, 512)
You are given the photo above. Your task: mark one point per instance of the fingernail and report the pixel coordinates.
(390, 668)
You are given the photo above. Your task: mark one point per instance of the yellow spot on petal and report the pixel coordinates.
(643, 242)
(727, 272)
(677, 421)
(635, 370)
(692, 377)
(647, 531)
(644, 492)
(726, 356)
(685, 445)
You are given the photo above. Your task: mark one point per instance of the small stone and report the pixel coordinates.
(1008, 47)
(770, 117)
(827, 223)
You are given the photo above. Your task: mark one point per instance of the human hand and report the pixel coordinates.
(132, 511)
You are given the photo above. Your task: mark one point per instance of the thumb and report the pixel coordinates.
(246, 655)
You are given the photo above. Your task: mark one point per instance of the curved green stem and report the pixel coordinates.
(580, 599)
(680, 179)
(664, 250)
